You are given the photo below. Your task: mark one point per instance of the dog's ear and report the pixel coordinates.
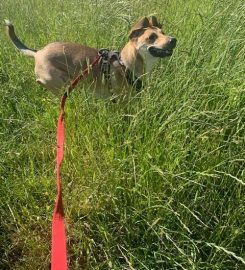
(154, 22)
(139, 28)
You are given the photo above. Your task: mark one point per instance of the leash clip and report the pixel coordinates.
(104, 53)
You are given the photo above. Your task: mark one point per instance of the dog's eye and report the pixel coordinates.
(152, 37)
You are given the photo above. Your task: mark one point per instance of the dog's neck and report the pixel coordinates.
(138, 63)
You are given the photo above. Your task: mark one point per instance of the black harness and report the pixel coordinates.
(108, 57)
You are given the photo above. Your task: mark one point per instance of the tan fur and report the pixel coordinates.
(58, 63)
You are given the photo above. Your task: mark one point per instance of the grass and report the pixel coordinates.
(158, 184)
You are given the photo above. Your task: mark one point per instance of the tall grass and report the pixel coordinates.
(158, 184)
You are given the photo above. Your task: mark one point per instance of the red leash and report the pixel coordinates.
(58, 249)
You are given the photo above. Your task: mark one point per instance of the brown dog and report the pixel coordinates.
(58, 63)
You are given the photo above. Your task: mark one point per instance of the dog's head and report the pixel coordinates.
(150, 40)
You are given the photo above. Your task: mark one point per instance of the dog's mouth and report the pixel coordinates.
(156, 52)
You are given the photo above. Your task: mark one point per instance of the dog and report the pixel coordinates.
(58, 63)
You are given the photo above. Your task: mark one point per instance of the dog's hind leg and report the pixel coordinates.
(51, 78)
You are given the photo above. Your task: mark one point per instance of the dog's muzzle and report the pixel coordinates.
(163, 52)
(156, 52)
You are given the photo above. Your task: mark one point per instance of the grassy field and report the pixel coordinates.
(156, 184)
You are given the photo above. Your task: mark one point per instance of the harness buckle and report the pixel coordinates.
(104, 53)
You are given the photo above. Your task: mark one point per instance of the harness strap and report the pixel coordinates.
(106, 66)
(107, 57)
(58, 248)
(133, 80)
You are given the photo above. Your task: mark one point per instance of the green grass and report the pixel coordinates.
(156, 184)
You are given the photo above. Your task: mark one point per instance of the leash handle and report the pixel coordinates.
(58, 242)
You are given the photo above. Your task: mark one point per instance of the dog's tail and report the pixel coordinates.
(17, 43)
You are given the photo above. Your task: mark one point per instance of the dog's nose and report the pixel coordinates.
(172, 42)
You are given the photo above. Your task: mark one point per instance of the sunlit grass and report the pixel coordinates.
(157, 184)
